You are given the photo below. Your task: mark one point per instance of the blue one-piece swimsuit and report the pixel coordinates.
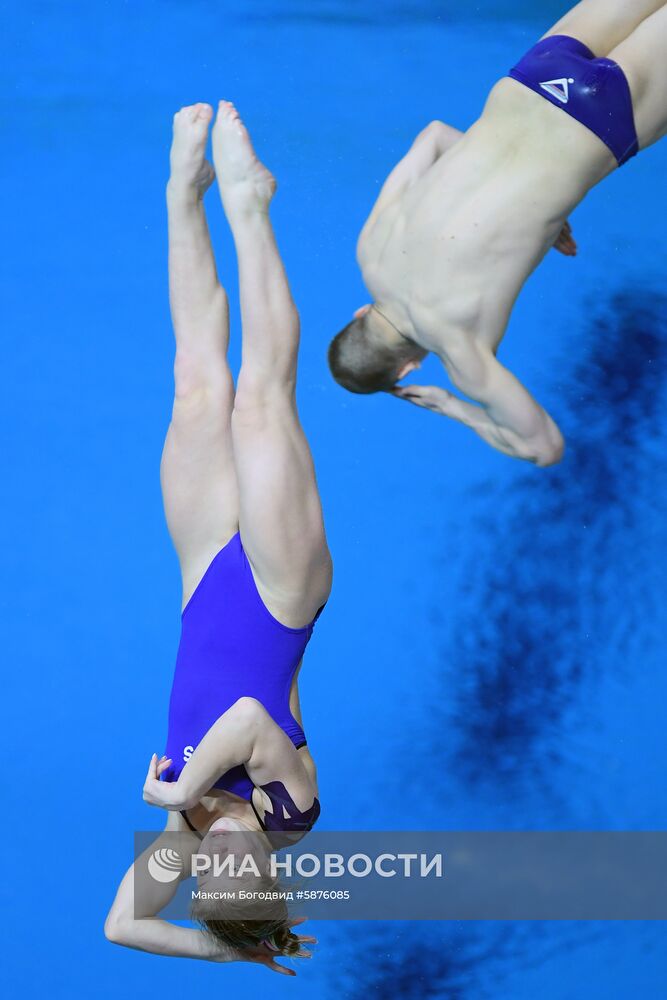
(566, 73)
(231, 647)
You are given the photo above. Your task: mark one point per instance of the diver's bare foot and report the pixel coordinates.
(244, 182)
(191, 173)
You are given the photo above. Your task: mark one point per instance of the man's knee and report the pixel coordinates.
(261, 394)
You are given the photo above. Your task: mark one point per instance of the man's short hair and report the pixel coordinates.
(361, 361)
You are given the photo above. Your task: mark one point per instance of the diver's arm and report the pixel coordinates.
(246, 734)
(228, 743)
(504, 413)
(135, 924)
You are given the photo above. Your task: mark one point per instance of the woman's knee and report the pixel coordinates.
(198, 379)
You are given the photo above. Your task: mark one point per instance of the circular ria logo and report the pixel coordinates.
(165, 865)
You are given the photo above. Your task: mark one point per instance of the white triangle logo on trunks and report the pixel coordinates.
(558, 88)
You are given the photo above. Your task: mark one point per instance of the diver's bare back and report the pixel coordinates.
(456, 246)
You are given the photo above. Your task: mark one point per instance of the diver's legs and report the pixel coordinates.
(197, 471)
(279, 506)
(603, 24)
(642, 59)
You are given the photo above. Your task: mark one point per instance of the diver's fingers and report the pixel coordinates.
(283, 970)
(564, 237)
(566, 247)
(431, 397)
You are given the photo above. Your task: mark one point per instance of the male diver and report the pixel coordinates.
(464, 218)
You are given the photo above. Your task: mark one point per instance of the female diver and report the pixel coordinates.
(244, 514)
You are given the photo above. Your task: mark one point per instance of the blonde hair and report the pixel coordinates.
(235, 922)
(243, 934)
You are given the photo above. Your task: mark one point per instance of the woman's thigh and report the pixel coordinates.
(197, 474)
(280, 513)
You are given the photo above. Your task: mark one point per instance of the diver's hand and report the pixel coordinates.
(430, 397)
(160, 793)
(264, 956)
(565, 242)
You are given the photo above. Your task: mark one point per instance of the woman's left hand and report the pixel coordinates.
(156, 792)
(262, 956)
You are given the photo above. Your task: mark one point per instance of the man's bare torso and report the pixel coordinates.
(454, 248)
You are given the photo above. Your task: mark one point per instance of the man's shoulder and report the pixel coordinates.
(377, 232)
(447, 322)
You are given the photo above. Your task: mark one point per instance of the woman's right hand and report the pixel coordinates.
(160, 793)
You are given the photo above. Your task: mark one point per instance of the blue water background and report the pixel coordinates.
(492, 655)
